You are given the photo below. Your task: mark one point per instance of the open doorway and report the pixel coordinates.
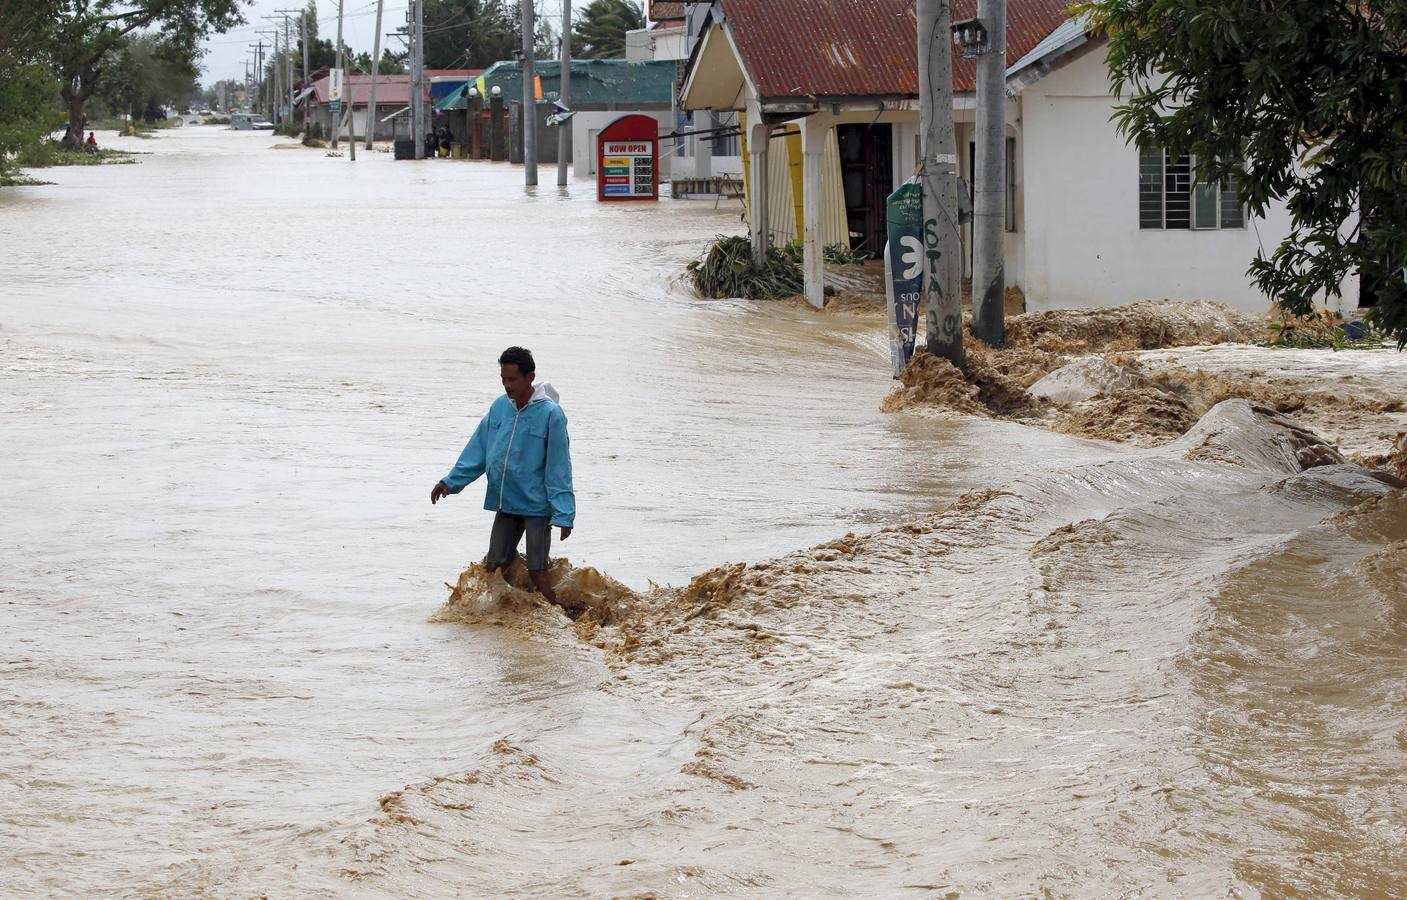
(867, 177)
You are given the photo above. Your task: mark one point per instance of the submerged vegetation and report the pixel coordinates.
(727, 269)
(56, 153)
(1320, 330)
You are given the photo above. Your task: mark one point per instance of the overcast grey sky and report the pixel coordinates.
(226, 53)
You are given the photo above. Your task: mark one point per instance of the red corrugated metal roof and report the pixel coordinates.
(860, 48)
(390, 89)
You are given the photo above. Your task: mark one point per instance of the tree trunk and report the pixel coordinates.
(75, 96)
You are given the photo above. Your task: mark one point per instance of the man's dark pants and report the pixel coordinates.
(508, 529)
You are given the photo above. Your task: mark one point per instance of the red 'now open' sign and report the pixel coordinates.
(627, 160)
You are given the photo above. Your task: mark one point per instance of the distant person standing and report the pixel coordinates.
(522, 445)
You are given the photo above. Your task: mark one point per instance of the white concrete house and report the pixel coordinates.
(1091, 220)
(698, 155)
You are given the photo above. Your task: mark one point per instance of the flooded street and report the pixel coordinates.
(229, 377)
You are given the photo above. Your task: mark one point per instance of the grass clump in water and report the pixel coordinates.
(727, 269)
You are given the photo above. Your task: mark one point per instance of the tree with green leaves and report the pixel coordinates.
(28, 107)
(474, 34)
(87, 32)
(1302, 102)
(323, 55)
(391, 63)
(599, 33)
(146, 75)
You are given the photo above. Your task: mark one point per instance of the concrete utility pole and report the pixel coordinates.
(417, 77)
(989, 192)
(307, 51)
(942, 242)
(529, 116)
(259, 76)
(346, 82)
(288, 56)
(375, 70)
(564, 133)
(274, 65)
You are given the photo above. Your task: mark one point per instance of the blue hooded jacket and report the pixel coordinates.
(525, 453)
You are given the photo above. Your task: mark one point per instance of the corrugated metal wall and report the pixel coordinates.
(784, 168)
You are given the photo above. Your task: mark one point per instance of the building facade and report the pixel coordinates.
(830, 121)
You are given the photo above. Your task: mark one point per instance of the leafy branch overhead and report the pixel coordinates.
(1305, 102)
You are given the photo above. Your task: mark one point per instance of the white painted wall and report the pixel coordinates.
(1079, 211)
(587, 125)
(655, 43)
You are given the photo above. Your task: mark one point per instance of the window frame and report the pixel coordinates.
(1009, 185)
(1195, 190)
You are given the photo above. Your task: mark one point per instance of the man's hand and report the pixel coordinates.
(566, 531)
(438, 491)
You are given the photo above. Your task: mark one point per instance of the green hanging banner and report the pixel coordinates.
(903, 269)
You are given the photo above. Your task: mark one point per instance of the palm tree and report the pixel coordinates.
(600, 32)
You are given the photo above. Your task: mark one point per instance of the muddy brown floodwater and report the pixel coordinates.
(1008, 662)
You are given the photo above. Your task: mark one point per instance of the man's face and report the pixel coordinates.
(518, 386)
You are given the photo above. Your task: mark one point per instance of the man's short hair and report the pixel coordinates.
(520, 357)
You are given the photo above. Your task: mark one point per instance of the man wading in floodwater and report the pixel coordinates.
(522, 444)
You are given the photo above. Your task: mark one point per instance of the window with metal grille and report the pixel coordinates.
(1168, 198)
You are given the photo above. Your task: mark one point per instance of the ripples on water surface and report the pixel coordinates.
(229, 376)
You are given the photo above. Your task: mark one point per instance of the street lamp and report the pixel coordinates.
(970, 35)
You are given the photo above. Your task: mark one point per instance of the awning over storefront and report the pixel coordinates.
(455, 99)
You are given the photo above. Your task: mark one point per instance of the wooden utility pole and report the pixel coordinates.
(529, 116)
(564, 133)
(989, 192)
(942, 242)
(375, 70)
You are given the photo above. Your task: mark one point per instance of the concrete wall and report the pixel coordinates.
(546, 134)
(1080, 213)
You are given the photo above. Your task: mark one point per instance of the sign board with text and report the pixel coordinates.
(903, 268)
(334, 89)
(627, 160)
